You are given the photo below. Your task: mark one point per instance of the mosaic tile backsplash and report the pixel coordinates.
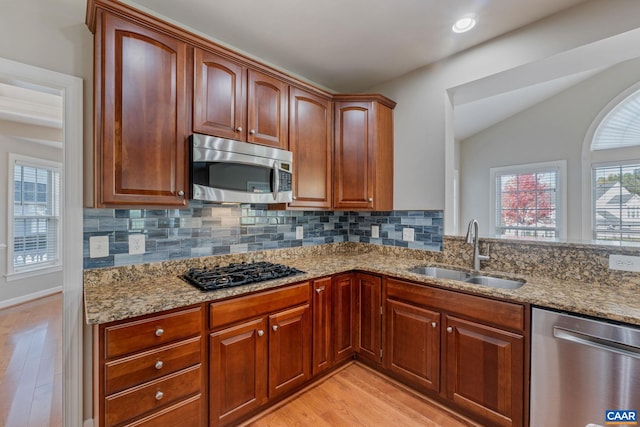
(206, 229)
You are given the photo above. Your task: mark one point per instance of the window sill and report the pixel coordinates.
(19, 275)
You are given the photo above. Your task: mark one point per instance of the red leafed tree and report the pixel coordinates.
(526, 201)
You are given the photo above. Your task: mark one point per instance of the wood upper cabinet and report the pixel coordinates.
(140, 135)
(238, 368)
(310, 141)
(369, 317)
(232, 101)
(322, 354)
(484, 371)
(363, 152)
(219, 100)
(345, 295)
(289, 349)
(413, 343)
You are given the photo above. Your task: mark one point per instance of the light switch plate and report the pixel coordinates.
(408, 234)
(299, 232)
(98, 246)
(624, 262)
(136, 244)
(375, 231)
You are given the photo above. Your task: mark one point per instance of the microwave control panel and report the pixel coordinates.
(285, 180)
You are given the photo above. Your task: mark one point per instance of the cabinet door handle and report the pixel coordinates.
(449, 329)
(318, 290)
(260, 332)
(252, 132)
(371, 199)
(275, 328)
(159, 364)
(238, 129)
(180, 193)
(294, 197)
(434, 324)
(159, 395)
(159, 332)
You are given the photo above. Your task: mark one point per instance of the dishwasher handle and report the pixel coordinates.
(600, 343)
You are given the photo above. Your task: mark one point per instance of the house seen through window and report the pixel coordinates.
(36, 214)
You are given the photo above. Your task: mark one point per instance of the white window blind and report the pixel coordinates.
(616, 202)
(621, 126)
(35, 214)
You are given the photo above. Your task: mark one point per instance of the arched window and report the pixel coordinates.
(614, 169)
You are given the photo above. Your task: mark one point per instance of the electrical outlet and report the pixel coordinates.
(98, 246)
(299, 232)
(136, 244)
(375, 231)
(408, 234)
(624, 262)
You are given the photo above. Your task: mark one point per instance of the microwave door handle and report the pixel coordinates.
(276, 181)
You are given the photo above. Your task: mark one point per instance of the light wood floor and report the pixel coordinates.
(357, 396)
(31, 363)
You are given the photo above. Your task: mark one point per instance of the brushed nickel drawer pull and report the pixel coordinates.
(159, 395)
(260, 332)
(275, 328)
(159, 332)
(318, 290)
(159, 364)
(449, 329)
(434, 324)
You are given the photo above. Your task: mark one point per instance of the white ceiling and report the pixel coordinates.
(351, 45)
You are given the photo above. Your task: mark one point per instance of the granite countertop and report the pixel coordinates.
(120, 297)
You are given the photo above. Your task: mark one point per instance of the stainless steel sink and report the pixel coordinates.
(495, 282)
(441, 273)
(463, 276)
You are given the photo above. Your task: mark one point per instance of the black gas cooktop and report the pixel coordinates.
(213, 278)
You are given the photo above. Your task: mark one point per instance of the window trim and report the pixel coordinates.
(560, 166)
(13, 273)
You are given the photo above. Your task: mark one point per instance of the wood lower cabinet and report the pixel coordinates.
(369, 317)
(345, 296)
(151, 370)
(322, 356)
(363, 152)
(466, 349)
(311, 144)
(233, 101)
(260, 349)
(413, 344)
(140, 136)
(484, 371)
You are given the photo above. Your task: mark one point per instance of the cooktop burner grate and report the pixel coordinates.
(237, 274)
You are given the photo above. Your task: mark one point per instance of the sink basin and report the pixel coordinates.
(441, 273)
(463, 276)
(495, 282)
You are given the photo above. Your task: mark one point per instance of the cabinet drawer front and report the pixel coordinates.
(499, 313)
(188, 413)
(136, 336)
(129, 372)
(243, 308)
(151, 396)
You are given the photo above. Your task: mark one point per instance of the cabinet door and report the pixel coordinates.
(238, 371)
(485, 371)
(289, 349)
(268, 117)
(413, 343)
(322, 355)
(344, 316)
(369, 317)
(353, 155)
(219, 94)
(141, 136)
(310, 142)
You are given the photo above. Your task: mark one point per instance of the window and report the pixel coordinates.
(616, 202)
(34, 214)
(529, 200)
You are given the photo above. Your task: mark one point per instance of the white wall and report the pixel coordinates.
(554, 129)
(421, 149)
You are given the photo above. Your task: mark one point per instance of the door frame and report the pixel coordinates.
(72, 216)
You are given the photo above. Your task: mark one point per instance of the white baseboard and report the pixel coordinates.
(25, 298)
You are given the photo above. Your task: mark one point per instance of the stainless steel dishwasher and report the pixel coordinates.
(580, 369)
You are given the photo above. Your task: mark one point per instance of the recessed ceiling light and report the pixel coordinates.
(464, 24)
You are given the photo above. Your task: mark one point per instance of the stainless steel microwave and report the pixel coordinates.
(224, 170)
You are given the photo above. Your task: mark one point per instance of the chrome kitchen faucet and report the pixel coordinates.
(472, 239)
